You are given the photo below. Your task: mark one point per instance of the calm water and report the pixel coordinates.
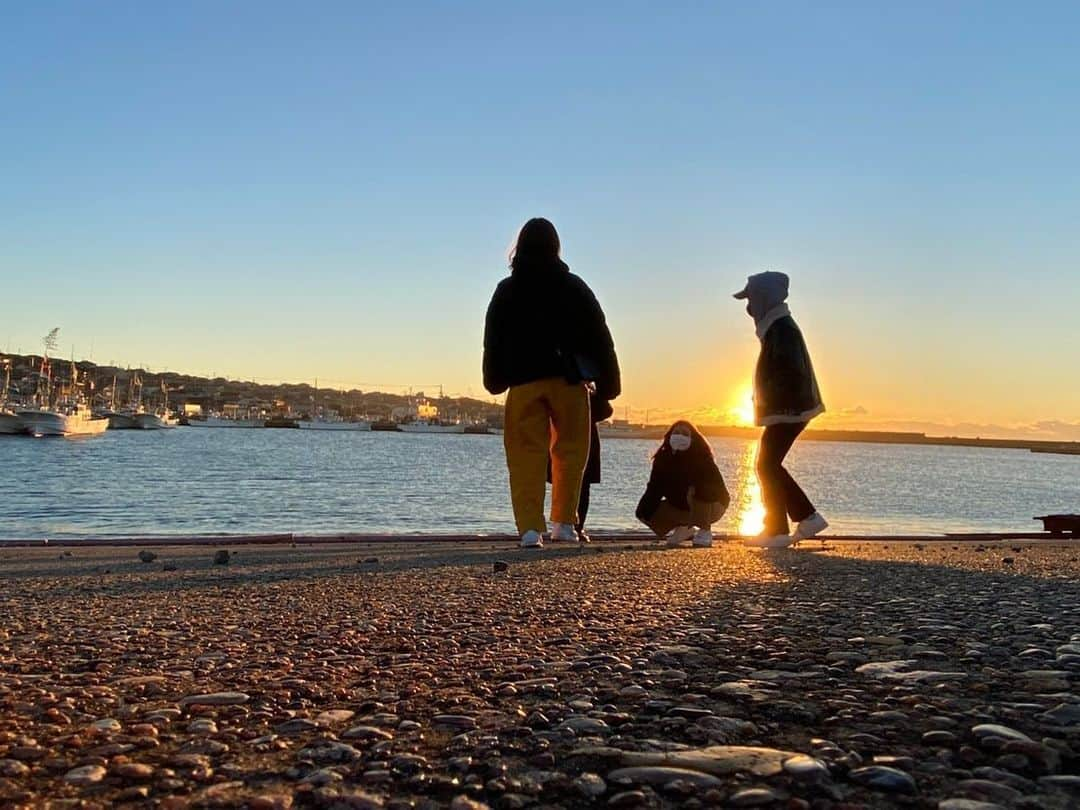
(207, 481)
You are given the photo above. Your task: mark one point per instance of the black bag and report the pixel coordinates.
(578, 368)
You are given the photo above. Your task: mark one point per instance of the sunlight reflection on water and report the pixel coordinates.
(749, 509)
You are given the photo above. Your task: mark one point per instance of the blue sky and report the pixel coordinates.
(279, 191)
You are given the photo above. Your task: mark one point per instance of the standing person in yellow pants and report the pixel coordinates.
(546, 341)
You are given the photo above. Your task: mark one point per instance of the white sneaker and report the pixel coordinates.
(532, 539)
(564, 533)
(703, 538)
(679, 535)
(766, 540)
(810, 527)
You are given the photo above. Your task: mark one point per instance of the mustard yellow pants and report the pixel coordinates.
(546, 417)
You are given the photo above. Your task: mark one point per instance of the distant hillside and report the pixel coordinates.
(214, 394)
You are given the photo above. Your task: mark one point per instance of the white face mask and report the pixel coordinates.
(679, 442)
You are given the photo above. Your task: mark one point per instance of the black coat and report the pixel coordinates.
(543, 321)
(785, 388)
(672, 476)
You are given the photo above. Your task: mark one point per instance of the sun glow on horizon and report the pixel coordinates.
(742, 411)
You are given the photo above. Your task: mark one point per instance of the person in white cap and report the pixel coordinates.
(786, 398)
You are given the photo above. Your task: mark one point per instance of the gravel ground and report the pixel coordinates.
(432, 675)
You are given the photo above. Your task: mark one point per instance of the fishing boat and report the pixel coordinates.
(158, 420)
(62, 409)
(125, 418)
(10, 423)
(73, 420)
(120, 420)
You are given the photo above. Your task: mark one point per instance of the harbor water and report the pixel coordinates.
(203, 481)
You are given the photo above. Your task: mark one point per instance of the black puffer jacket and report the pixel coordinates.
(543, 321)
(785, 388)
(672, 476)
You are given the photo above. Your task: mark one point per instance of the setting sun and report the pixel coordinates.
(742, 411)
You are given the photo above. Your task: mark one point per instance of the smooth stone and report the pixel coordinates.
(662, 775)
(901, 671)
(984, 789)
(806, 768)
(367, 733)
(216, 699)
(884, 778)
(147, 556)
(1005, 778)
(86, 775)
(204, 725)
(754, 797)
(458, 721)
(590, 785)
(689, 712)
(985, 731)
(626, 799)
(322, 777)
(1064, 714)
(136, 771)
(846, 657)
(1047, 678)
(330, 752)
(890, 716)
(719, 760)
(298, 725)
(335, 717)
(107, 724)
(588, 726)
(968, 804)
(13, 768)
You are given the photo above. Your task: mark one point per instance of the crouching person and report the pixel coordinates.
(686, 494)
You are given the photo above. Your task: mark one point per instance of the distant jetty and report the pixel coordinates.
(902, 437)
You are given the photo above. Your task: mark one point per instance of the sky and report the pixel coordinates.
(282, 191)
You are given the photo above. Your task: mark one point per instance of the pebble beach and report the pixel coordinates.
(619, 674)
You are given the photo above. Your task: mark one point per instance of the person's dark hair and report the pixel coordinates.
(699, 445)
(537, 242)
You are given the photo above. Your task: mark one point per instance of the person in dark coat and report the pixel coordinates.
(547, 343)
(786, 398)
(686, 492)
(601, 411)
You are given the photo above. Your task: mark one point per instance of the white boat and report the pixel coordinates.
(10, 423)
(330, 424)
(223, 422)
(78, 422)
(121, 420)
(154, 421)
